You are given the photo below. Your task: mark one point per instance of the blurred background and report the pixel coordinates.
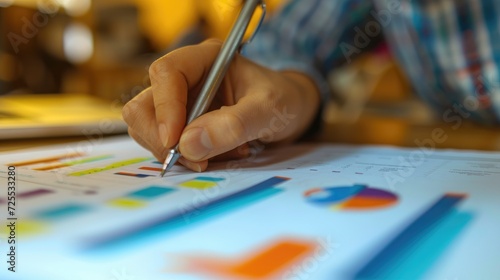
(104, 48)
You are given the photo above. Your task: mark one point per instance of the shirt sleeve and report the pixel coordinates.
(450, 51)
(305, 35)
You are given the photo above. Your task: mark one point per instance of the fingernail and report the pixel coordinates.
(197, 144)
(195, 167)
(164, 137)
(191, 165)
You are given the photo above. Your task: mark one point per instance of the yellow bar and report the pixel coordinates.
(196, 184)
(109, 167)
(127, 203)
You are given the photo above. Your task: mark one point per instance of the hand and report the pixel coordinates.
(253, 103)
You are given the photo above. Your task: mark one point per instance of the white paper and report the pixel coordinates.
(346, 239)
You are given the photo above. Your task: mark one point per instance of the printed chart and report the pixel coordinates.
(280, 214)
(264, 263)
(356, 197)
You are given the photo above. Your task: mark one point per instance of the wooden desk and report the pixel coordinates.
(19, 144)
(408, 125)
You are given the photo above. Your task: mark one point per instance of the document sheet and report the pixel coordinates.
(98, 209)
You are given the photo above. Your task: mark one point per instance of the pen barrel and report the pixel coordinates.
(223, 60)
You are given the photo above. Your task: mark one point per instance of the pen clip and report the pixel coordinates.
(263, 16)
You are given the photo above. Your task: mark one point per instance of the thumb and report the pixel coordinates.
(229, 127)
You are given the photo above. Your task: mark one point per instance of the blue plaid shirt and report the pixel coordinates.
(449, 49)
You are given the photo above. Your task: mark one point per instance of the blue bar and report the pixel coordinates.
(409, 237)
(416, 263)
(151, 192)
(192, 215)
(134, 175)
(209, 179)
(61, 212)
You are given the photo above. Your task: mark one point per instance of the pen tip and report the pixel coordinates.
(171, 159)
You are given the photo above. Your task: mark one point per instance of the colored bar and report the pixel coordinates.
(72, 163)
(133, 175)
(263, 264)
(34, 193)
(410, 236)
(416, 263)
(46, 160)
(193, 217)
(138, 199)
(62, 211)
(26, 228)
(209, 179)
(272, 260)
(127, 203)
(51, 167)
(202, 183)
(151, 192)
(194, 213)
(109, 167)
(267, 184)
(147, 168)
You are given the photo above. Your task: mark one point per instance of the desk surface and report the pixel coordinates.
(409, 125)
(400, 125)
(19, 144)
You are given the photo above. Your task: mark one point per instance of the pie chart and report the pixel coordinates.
(356, 197)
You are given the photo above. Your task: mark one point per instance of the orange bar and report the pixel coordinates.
(45, 160)
(273, 259)
(367, 203)
(457, 195)
(51, 167)
(151, 168)
(262, 264)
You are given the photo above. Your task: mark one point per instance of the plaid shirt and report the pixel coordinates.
(449, 49)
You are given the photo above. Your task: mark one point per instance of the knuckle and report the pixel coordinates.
(159, 68)
(236, 128)
(213, 41)
(268, 99)
(128, 113)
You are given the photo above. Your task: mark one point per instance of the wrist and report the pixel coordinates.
(307, 100)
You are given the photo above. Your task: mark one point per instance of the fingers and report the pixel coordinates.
(160, 154)
(172, 77)
(241, 152)
(156, 117)
(220, 131)
(195, 166)
(267, 107)
(140, 117)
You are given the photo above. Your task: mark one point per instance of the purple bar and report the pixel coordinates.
(34, 193)
(374, 193)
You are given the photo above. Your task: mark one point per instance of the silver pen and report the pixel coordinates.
(228, 50)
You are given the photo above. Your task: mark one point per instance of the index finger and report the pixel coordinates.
(172, 76)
